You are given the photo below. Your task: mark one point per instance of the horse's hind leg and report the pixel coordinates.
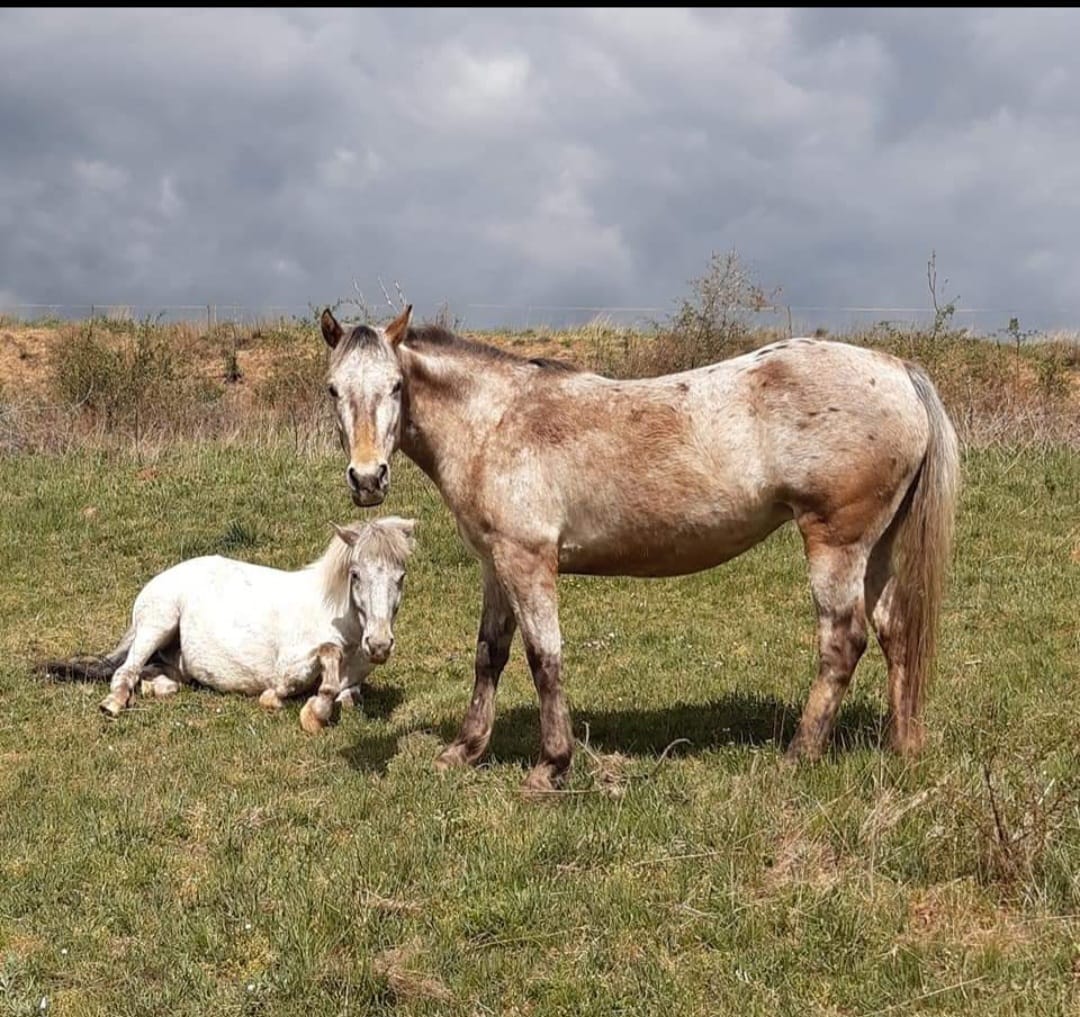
(886, 614)
(151, 634)
(837, 576)
(497, 626)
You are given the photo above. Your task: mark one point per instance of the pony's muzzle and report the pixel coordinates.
(368, 485)
(378, 648)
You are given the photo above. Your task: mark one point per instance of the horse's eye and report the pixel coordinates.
(332, 389)
(396, 389)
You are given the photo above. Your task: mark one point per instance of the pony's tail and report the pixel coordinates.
(922, 552)
(87, 669)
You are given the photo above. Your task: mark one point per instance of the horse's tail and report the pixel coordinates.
(923, 548)
(88, 669)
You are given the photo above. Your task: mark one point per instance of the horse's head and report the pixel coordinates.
(380, 550)
(365, 383)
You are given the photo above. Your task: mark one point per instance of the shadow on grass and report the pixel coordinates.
(381, 700)
(734, 719)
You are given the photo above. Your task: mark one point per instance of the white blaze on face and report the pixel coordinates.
(366, 389)
(376, 593)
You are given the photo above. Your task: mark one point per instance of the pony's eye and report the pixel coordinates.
(332, 389)
(396, 389)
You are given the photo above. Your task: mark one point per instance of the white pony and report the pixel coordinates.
(238, 627)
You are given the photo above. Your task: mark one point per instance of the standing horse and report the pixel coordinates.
(238, 627)
(548, 469)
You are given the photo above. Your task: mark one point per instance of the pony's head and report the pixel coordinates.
(378, 552)
(365, 381)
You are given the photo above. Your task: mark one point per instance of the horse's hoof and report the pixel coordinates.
(113, 705)
(541, 782)
(451, 758)
(315, 714)
(348, 701)
(800, 751)
(269, 700)
(159, 687)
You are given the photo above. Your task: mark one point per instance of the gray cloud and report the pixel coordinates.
(266, 157)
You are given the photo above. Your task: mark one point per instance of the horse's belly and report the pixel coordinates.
(223, 653)
(225, 673)
(667, 549)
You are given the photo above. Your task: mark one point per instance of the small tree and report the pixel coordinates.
(716, 314)
(943, 309)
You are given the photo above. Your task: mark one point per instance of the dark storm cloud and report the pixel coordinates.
(596, 157)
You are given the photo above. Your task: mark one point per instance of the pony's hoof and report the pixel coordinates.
(114, 704)
(350, 700)
(270, 700)
(316, 713)
(159, 687)
(453, 757)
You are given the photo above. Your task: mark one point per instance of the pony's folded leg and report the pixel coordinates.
(322, 708)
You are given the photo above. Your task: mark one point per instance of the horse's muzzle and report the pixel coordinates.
(378, 650)
(368, 487)
(369, 499)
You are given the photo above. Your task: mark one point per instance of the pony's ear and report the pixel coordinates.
(331, 330)
(399, 327)
(345, 534)
(406, 526)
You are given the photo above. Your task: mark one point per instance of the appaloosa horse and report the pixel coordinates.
(548, 469)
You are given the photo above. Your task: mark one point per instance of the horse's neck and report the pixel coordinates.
(452, 409)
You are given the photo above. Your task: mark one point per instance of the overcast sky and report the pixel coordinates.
(269, 157)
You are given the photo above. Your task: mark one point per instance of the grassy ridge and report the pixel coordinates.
(201, 857)
(67, 385)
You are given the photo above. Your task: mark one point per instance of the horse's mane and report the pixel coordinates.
(436, 338)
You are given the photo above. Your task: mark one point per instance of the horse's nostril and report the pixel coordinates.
(352, 479)
(384, 470)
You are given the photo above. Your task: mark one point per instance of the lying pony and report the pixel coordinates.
(238, 627)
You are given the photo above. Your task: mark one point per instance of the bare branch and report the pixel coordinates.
(387, 295)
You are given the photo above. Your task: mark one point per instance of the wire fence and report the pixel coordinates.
(798, 319)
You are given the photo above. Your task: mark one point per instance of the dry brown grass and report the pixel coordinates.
(401, 967)
(78, 384)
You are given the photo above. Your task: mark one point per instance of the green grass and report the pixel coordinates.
(201, 857)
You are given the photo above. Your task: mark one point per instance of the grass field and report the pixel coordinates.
(201, 857)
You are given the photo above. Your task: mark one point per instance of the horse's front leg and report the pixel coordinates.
(320, 708)
(356, 671)
(492, 651)
(530, 579)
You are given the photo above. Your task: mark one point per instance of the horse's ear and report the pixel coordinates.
(345, 534)
(331, 330)
(399, 327)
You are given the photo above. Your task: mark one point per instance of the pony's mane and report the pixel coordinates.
(377, 540)
(436, 338)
